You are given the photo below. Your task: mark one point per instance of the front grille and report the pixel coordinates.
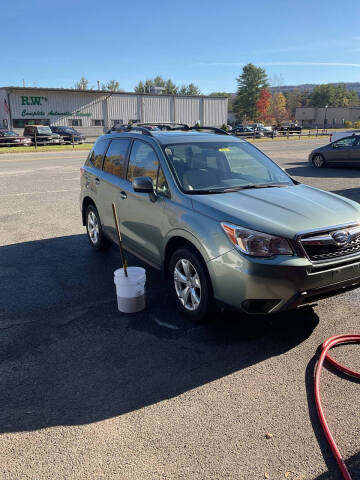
(329, 252)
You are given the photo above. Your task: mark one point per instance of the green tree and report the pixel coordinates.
(170, 88)
(333, 96)
(139, 88)
(82, 84)
(252, 80)
(112, 86)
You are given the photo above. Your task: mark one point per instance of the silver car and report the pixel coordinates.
(221, 219)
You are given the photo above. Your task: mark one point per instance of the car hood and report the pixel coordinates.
(282, 211)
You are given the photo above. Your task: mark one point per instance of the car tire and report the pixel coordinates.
(94, 230)
(318, 161)
(190, 284)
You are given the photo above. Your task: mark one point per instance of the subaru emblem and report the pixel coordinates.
(341, 237)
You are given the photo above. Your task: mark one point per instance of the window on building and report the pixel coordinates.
(97, 153)
(75, 122)
(97, 123)
(116, 122)
(21, 122)
(115, 157)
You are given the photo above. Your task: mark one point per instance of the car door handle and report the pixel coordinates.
(97, 181)
(123, 195)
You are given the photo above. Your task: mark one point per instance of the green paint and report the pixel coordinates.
(25, 100)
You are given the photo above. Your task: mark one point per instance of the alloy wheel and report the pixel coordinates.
(187, 284)
(93, 227)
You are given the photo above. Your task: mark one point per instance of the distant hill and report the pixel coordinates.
(355, 86)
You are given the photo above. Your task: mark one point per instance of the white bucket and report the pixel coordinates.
(130, 290)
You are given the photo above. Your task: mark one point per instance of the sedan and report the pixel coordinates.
(8, 138)
(345, 151)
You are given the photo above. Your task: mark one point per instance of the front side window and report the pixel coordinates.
(115, 157)
(97, 153)
(143, 162)
(218, 166)
(344, 142)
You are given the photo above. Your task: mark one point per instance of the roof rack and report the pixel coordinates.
(166, 125)
(143, 130)
(219, 131)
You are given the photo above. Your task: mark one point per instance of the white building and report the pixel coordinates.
(94, 111)
(330, 117)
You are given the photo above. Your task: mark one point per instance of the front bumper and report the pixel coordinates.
(256, 285)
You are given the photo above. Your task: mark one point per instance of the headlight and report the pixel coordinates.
(255, 243)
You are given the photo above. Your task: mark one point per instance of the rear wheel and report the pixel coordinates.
(190, 284)
(318, 161)
(94, 230)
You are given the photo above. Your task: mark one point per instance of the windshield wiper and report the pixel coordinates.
(259, 185)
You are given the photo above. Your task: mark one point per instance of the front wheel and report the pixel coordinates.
(318, 161)
(190, 284)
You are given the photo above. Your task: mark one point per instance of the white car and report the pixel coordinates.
(337, 135)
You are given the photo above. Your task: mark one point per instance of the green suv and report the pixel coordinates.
(220, 218)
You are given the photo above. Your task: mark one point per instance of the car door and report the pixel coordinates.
(354, 151)
(112, 183)
(142, 214)
(339, 152)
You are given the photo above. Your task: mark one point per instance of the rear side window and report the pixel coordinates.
(97, 153)
(115, 157)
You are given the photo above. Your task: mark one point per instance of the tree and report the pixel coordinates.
(278, 107)
(170, 88)
(112, 86)
(263, 104)
(190, 89)
(296, 99)
(333, 96)
(252, 80)
(82, 84)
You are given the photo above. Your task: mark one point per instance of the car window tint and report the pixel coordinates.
(345, 142)
(97, 153)
(115, 157)
(143, 162)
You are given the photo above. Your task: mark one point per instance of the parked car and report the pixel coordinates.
(345, 151)
(41, 135)
(337, 135)
(246, 132)
(68, 134)
(266, 131)
(8, 138)
(288, 128)
(222, 220)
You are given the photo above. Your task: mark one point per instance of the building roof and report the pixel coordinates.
(102, 92)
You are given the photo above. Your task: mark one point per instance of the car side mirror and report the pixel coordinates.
(143, 185)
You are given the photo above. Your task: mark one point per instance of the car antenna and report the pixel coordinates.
(123, 259)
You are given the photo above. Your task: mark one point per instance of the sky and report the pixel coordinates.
(53, 44)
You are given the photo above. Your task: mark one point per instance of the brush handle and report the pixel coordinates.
(123, 260)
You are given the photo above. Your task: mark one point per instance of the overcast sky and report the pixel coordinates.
(53, 44)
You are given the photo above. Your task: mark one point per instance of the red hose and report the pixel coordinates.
(326, 346)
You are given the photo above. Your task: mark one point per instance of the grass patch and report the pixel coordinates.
(46, 148)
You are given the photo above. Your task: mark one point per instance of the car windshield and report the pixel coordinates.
(44, 130)
(9, 133)
(215, 167)
(67, 130)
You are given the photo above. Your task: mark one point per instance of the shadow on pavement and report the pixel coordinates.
(307, 170)
(69, 357)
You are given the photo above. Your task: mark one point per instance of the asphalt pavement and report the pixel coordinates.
(89, 393)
